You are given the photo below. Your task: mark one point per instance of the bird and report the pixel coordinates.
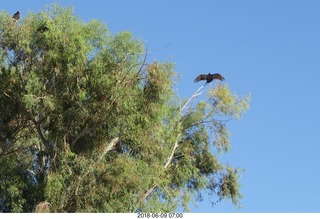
(16, 16)
(209, 77)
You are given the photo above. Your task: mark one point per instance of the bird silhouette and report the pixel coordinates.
(209, 77)
(16, 16)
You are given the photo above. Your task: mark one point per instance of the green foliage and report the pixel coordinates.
(86, 125)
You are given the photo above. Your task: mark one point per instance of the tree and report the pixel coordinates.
(87, 125)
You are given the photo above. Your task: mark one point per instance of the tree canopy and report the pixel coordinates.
(87, 124)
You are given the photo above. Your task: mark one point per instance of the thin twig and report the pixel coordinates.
(154, 50)
(144, 60)
(7, 94)
(195, 94)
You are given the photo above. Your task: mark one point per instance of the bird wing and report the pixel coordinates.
(200, 78)
(218, 76)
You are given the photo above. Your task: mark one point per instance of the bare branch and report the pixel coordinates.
(110, 146)
(31, 172)
(37, 124)
(176, 145)
(107, 148)
(17, 22)
(154, 50)
(192, 97)
(172, 152)
(82, 133)
(149, 191)
(7, 94)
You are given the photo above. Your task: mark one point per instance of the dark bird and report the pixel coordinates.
(209, 77)
(16, 16)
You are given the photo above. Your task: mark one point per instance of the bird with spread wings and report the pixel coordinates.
(209, 77)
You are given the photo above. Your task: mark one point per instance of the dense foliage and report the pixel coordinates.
(87, 125)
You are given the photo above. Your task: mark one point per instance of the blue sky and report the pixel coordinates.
(270, 49)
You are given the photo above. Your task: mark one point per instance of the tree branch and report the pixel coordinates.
(149, 191)
(37, 124)
(172, 152)
(107, 148)
(7, 94)
(194, 95)
(144, 61)
(82, 133)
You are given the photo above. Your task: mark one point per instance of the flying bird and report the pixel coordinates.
(209, 77)
(16, 16)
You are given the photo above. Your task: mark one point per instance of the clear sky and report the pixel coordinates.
(270, 49)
